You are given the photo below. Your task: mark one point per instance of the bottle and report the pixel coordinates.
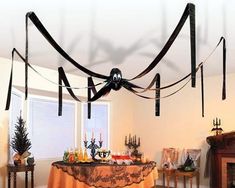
(66, 155)
(71, 156)
(85, 156)
(76, 153)
(80, 155)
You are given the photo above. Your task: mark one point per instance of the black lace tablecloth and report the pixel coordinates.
(107, 175)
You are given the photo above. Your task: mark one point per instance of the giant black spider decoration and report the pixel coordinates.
(115, 80)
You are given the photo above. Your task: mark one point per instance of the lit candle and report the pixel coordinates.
(85, 137)
(92, 137)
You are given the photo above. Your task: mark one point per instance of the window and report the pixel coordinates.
(98, 124)
(51, 134)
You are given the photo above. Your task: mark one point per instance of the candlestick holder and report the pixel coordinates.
(217, 129)
(93, 147)
(133, 144)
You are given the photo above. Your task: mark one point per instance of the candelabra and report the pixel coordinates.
(132, 143)
(218, 130)
(93, 147)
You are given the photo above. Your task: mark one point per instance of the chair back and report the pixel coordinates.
(194, 154)
(169, 158)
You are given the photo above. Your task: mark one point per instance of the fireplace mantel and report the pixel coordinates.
(222, 146)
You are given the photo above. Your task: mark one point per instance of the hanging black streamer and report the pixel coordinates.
(60, 95)
(157, 95)
(62, 77)
(202, 90)
(91, 87)
(114, 80)
(49, 38)
(224, 70)
(11, 75)
(10, 84)
(26, 57)
(189, 11)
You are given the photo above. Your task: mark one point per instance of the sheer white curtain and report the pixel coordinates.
(98, 124)
(15, 109)
(51, 134)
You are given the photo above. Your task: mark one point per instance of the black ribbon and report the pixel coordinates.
(103, 91)
(157, 94)
(10, 83)
(149, 87)
(32, 16)
(224, 70)
(62, 77)
(11, 75)
(202, 90)
(91, 87)
(189, 11)
(224, 67)
(26, 57)
(126, 86)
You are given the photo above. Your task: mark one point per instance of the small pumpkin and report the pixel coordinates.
(16, 157)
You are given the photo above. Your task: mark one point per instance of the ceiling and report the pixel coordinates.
(125, 34)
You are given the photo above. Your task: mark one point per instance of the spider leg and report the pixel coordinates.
(103, 91)
(38, 24)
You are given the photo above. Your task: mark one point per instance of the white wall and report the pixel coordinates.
(180, 124)
(4, 77)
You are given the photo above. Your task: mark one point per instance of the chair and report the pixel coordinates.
(168, 164)
(193, 154)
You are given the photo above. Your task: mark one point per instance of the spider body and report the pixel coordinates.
(115, 79)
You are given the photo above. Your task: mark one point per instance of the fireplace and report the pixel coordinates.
(231, 175)
(228, 172)
(222, 160)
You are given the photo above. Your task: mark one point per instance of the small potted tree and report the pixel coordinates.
(20, 142)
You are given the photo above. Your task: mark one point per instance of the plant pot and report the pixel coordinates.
(18, 160)
(30, 160)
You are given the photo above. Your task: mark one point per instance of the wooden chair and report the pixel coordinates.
(195, 155)
(168, 165)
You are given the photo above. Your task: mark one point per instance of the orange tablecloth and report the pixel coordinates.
(102, 175)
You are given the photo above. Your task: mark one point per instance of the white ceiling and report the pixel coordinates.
(128, 34)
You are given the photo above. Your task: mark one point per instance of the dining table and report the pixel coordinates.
(102, 175)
